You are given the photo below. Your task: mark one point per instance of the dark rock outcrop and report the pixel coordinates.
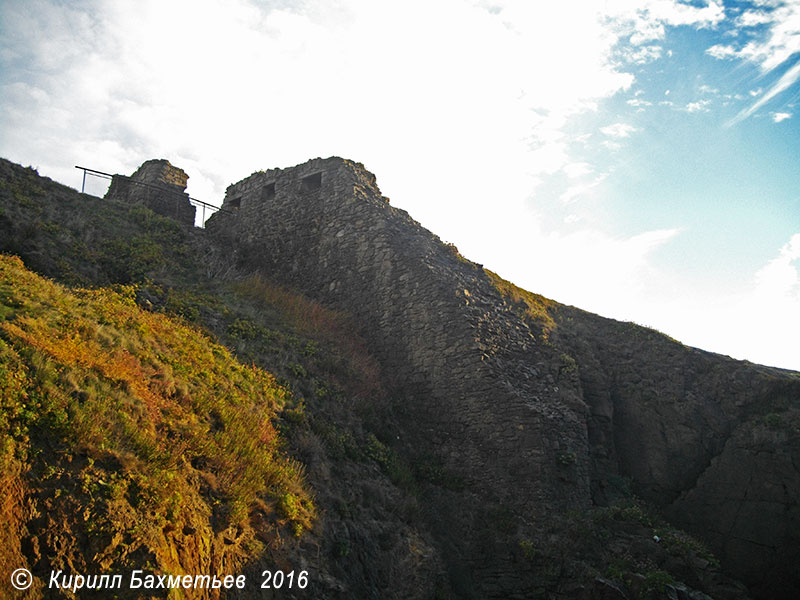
(713, 441)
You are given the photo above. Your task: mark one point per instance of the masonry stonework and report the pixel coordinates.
(504, 408)
(158, 185)
(424, 310)
(478, 386)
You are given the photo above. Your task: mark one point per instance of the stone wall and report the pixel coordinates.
(529, 424)
(477, 390)
(158, 185)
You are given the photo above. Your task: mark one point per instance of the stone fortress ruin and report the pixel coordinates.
(158, 185)
(523, 413)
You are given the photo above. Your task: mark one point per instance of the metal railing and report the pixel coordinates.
(194, 201)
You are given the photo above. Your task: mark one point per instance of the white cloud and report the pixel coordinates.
(773, 39)
(607, 274)
(646, 20)
(699, 106)
(580, 189)
(768, 47)
(618, 130)
(752, 18)
(782, 41)
(600, 266)
(722, 51)
(144, 76)
(779, 279)
(787, 80)
(780, 116)
(577, 169)
(639, 103)
(760, 323)
(641, 55)
(141, 77)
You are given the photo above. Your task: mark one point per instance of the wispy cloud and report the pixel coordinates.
(618, 130)
(722, 51)
(646, 20)
(580, 189)
(771, 35)
(639, 103)
(780, 116)
(753, 18)
(699, 106)
(771, 297)
(577, 169)
(787, 80)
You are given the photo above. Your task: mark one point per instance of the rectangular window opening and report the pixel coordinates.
(236, 203)
(268, 191)
(311, 182)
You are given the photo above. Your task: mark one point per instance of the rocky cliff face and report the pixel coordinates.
(713, 441)
(524, 405)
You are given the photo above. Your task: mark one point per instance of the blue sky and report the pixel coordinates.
(638, 159)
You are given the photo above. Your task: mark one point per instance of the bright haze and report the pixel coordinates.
(638, 159)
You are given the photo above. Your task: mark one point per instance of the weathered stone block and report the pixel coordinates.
(159, 186)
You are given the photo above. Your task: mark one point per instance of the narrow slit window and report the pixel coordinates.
(268, 192)
(311, 182)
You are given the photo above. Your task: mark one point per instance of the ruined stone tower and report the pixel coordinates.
(159, 186)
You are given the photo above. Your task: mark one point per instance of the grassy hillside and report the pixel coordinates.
(136, 429)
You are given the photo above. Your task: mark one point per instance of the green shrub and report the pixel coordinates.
(657, 581)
